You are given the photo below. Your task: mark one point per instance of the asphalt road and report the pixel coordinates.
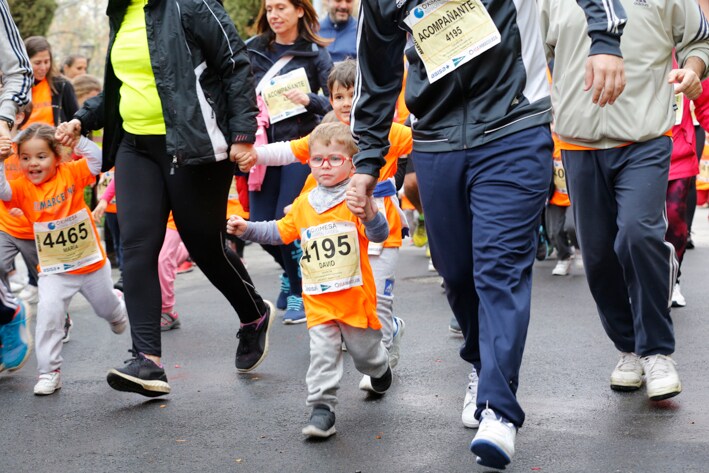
(218, 420)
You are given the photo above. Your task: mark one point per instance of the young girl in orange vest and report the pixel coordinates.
(70, 258)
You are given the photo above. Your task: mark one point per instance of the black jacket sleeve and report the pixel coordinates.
(380, 67)
(606, 20)
(226, 53)
(91, 114)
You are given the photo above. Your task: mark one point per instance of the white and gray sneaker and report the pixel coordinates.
(678, 299)
(395, 349)
(48, 383)
(562, 268)
(469, 403)
(494, 444)
(661, 378)
(628, 373)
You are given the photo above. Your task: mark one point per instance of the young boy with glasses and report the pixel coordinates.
(338, 286)
(383, 257)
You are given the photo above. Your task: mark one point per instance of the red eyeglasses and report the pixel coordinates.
(335, 160)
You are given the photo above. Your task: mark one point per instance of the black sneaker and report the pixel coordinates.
(140, 375)
(253, 343)
(381, 384)
(67, 328)
(322, 422)
(119, 283)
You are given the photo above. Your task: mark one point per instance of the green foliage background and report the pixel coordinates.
(243, 12)
(33, 17)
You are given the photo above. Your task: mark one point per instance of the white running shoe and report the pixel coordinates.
(578, 262)
(469, 405)
(661, 378)
(48, 383)
(562, 268)
(365, 384)
(494, 444)
(395, 349)
(628, 373)
(678, 299)
(29, 294)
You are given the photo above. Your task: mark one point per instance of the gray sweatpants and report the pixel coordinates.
(326, 364)
(9, 248)
(383, 269)
(55, 294)
(618, 200)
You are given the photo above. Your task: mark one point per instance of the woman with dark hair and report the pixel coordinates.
(74, 65)
(178, 105)
(53, 97)
(287, 31)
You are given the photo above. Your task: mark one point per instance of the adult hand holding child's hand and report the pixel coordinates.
(363, 208)
(68, 133)
(246, 160)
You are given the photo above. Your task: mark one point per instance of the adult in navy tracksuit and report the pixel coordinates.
(288, 27)
(482, 150)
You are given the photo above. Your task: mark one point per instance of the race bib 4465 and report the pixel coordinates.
(66, 244)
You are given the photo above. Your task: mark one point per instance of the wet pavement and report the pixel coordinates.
(218, 420)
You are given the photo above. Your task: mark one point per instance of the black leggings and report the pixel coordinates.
(147, 188)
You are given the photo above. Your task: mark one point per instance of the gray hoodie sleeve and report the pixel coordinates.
(377, 229)
(265, 233)
(5, 190)
(90, 150)
(15, 66)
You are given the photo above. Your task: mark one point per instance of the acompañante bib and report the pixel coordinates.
(449, 33)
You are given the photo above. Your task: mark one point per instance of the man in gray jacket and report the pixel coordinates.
(478, 92)
(15, 71)
(617, 162)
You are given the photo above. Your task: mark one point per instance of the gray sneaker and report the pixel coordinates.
(454, 326)
(322, 422)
